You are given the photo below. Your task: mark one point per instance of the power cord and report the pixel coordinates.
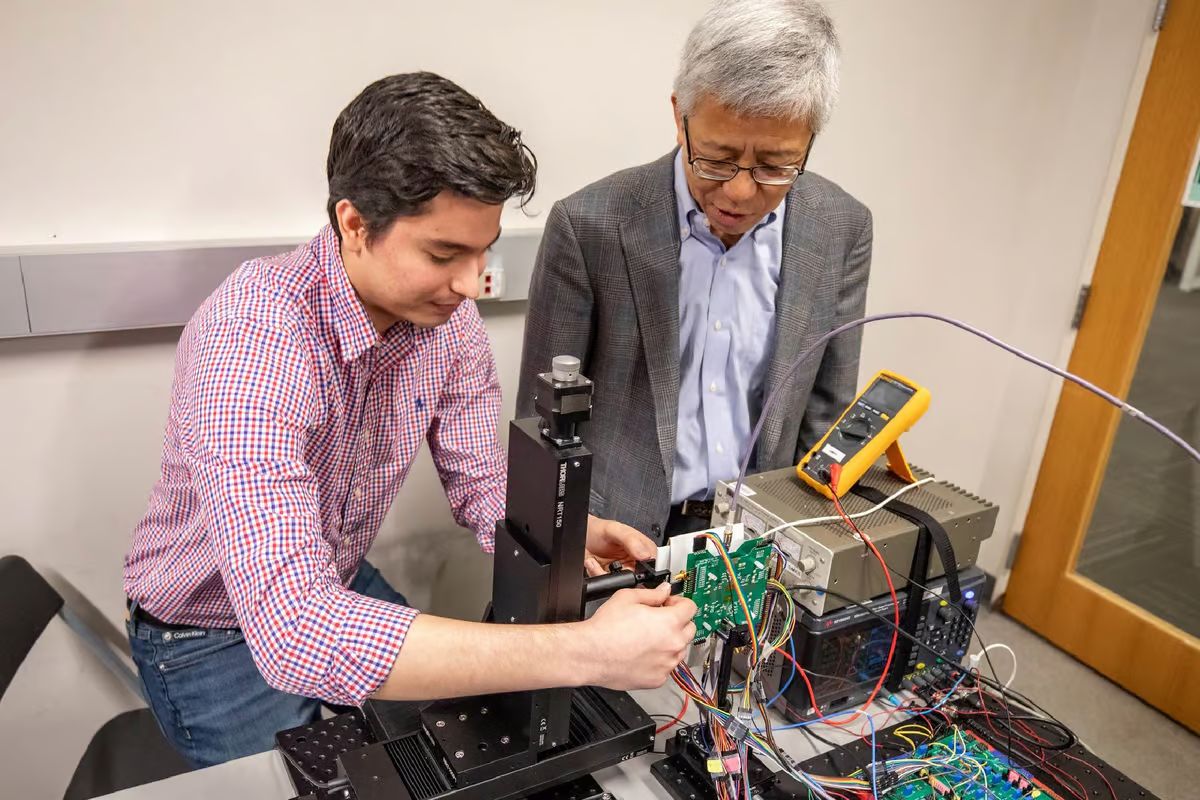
(974, 659)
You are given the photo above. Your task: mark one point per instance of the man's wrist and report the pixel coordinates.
(578, 654)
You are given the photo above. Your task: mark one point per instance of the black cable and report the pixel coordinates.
(1042, 714)
(1068, 735)
(983, 645)
(954, 606)
(1004, 692)
(808, 730)
(1022, 740)
(963, 614)
(1020, 698)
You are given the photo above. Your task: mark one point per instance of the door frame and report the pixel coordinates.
(1147, 656)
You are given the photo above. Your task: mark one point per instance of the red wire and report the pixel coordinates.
(1029, 731)
(678, 717)
(835, 472)
(1059, 774)
(812, 695)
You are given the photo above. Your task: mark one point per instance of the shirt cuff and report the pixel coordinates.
(371, 633)
(491, 511)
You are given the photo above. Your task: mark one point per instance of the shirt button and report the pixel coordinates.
(683, 232)
(720, 447)
(358, 493)
(717, 325)
(712, 387)
(722, 261)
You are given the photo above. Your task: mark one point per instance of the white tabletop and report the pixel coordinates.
(263, 777)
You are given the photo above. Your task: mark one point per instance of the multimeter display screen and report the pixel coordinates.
(886, 396)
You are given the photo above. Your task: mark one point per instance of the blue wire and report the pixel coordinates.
(854, 713)
(962, 675)
(791, 677)
(874, 784)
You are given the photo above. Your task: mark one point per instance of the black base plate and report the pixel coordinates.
(385, 754)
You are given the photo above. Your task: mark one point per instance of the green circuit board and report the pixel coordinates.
(707, 585)
(959, 766)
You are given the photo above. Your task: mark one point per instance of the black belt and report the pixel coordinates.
(701, 509)
(139, 614)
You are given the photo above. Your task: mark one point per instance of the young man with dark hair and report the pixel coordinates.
(303, 389)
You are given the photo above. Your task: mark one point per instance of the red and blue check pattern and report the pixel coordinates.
(292, 426)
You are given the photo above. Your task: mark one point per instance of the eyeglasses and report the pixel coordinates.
(714, 170)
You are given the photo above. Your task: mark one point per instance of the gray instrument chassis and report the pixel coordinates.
(830, 554)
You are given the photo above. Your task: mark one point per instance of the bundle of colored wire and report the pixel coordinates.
(717, 721)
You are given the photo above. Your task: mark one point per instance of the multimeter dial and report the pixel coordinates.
(857, 428)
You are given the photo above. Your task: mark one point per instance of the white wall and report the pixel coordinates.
(980, 134)
(985, 138)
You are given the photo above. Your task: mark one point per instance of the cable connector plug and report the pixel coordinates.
(835, 475)
(738, 728)
(728, 762)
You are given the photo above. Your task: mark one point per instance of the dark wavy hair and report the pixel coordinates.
(408, 137)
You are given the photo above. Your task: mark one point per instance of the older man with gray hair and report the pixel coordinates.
(687, 286)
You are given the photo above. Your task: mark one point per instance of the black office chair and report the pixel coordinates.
(129, 749)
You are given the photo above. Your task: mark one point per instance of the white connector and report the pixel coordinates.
(674, 554)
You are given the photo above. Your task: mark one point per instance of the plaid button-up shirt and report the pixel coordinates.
(292, 426)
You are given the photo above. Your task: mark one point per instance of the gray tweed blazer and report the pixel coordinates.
(606, 289)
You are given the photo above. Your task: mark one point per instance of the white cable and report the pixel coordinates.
(975, 658)
(859, 515)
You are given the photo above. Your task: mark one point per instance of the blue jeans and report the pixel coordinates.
(209, 698)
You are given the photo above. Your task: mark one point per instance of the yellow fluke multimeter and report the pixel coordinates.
(870, 427)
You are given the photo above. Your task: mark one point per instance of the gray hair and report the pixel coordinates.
(763, 58)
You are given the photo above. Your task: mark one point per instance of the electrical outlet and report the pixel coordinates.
(491, 282)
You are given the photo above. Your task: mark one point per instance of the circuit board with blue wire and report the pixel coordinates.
(957, 765)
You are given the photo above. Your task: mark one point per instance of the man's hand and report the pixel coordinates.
(638, 637)
(609, 541)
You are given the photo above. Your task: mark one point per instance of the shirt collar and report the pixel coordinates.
(693, 222)
(355, 332)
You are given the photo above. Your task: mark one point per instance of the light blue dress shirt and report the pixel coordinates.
(726, 333)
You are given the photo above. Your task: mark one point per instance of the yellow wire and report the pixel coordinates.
(914, 730)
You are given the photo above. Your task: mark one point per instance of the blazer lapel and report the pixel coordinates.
(650, 240)
(804, 260)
